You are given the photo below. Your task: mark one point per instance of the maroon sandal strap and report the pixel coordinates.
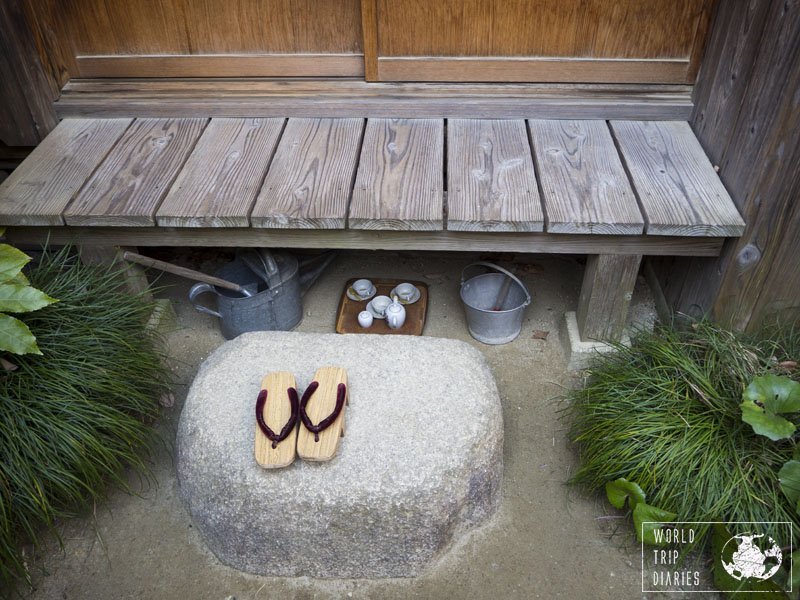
(277, 438)
(341, 395)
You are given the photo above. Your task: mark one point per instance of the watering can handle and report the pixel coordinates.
(202, 288)
(270, 268)
(502, 270)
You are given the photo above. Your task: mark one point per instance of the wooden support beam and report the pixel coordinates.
(605, 295)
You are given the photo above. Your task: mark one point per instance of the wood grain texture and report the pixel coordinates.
(512, 69)
(26, 94)
(308, 184)
(37, 192)
(400, 181)
(100, 27)
(276, 413)
(605, 296)
(677, 186)
(222, 65)
(543, 243)
(593, 28)
(369, 28)
(319, 407)
(691, 285)
(353, 98)
(219, 183)
(491, 180)
(727, 69)
(127, 188)
(759, 280)
(700, 39)
(584, 186)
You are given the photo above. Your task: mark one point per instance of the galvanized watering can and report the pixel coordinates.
(275, 305)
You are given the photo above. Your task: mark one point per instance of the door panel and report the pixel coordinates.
(207, 38)
(642, 41)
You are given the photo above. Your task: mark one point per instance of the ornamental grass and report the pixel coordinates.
(75, 418)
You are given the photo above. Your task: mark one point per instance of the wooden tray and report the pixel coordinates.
(347, 316)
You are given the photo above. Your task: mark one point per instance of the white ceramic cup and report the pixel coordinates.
(362, 287)
(365, 319)
(379, 304)
(406, 291)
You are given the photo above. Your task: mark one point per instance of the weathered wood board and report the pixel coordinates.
(678, 188)
(219, 183)
(491, 179)
(38, 191)
(606, 293)
(129, 185)
(308, 184)
(400, 180)
(584, 186)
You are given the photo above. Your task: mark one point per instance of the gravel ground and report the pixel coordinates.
(548, 539)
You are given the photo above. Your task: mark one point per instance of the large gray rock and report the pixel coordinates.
(420, 464)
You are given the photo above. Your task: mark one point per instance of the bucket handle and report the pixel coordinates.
(502, 270)
(202, 288)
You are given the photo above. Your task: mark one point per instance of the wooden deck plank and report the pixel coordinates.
(400, 180)
(677, 186)
(584, 185)
(219, 183)
(308, 184)
(37, 192)
(491, 179)
(129, 185)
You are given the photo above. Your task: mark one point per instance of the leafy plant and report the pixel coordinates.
(17, 296)
(666, 413)
(73, 419)
(767, 397)
(646, 519)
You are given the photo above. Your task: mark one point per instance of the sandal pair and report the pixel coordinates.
(320, 414)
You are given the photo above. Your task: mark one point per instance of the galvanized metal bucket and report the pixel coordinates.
(494, 304)
(277, 305)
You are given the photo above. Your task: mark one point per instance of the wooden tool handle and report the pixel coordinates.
(146, 261)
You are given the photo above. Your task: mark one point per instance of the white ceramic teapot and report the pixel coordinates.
(395, 314)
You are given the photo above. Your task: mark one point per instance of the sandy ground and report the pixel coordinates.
(548, 540)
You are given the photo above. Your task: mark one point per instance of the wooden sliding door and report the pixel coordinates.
(203, 38)
(593, 41)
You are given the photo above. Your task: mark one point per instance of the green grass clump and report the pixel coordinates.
(73, 418)
(665, 414)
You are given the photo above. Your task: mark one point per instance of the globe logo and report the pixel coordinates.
(756, 557)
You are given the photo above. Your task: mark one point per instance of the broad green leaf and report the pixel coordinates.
(17, 298)
(647, 519)
(795, 571)
(620, 490)
(767, 424)
(16, 337)
(789, 477)
(764, 399)
(733, 588)
(11, 262)
(20, 279)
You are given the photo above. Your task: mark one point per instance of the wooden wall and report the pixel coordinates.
(585, 41)
(208, 38)
(26, 94)
(747, 116)
(635, 41)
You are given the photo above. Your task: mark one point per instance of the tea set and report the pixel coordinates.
(389, 307)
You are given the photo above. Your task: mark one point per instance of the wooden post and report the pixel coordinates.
(135, 278)
(605, 295)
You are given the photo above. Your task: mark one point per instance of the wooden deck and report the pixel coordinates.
(592, 177)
